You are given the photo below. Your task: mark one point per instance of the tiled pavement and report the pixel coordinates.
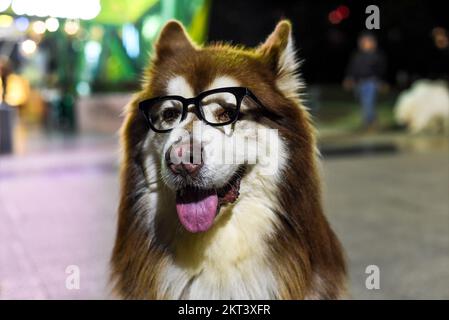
(58, 207)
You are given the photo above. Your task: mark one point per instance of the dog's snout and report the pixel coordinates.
(185, 159)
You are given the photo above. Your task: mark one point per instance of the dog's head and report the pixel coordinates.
(214, 114)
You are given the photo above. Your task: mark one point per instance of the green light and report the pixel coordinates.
(151, 26)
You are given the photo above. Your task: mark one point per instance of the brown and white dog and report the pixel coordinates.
(248, 234)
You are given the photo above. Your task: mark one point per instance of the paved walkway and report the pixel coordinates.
(58, 208)
(393, 211)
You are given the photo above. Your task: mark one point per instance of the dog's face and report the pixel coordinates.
(203, 164)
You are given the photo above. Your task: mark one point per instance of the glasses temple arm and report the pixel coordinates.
(272, 114)
(254, 98)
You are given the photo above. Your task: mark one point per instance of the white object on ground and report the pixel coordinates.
(424, 107)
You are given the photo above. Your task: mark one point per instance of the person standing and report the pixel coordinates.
(364, 74)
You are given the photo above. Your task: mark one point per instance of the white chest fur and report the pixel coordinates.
(231, 260)
(226, 263)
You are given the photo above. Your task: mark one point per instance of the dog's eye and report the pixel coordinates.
(170, 114)
(224, 114)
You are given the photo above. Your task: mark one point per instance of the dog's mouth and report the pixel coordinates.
(197, 208)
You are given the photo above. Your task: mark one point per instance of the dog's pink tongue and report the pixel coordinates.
(196, 209)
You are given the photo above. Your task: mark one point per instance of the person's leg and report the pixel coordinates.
(368, 90)
(361, 94)
(372, 101)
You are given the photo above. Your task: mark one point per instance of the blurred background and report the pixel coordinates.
(380, 101)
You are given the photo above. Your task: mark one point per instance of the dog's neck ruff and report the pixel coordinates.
(230, 260)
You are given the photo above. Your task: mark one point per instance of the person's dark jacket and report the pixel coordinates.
(366, 65)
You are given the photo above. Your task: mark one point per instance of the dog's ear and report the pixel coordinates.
(173, 38)
(279, 52)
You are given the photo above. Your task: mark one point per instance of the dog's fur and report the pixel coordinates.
(274, 241)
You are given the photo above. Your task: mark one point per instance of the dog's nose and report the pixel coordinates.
(185, 159)
(185, 169)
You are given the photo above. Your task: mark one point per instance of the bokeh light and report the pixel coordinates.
(80, 9)
(334, 17)
(151, 26)
(39, 27)
(4, 4)
(71, 27)
(28, 47)
(22, 24)
(52, 24)
(343, 11)
(5, 21)
(92, 51)
(338, 15)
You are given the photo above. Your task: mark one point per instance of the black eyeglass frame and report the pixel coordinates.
(239, 93)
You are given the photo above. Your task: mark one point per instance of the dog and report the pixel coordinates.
(211, 229)
(424, 107)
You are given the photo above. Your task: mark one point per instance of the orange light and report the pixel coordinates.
(18, 90)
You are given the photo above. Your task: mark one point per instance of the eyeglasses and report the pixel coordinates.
(217, 107)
